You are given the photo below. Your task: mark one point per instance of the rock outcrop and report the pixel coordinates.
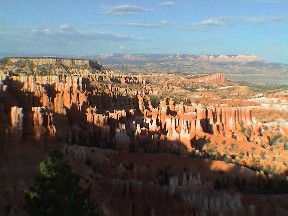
(50, 65)
(211, 79)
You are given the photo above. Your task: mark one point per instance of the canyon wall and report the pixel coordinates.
(103, 110)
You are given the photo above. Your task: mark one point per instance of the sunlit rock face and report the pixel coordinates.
(101, 108)
(80, 102)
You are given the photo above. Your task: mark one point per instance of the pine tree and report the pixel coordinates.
(57, 191)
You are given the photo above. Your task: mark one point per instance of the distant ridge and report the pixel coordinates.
(185, 57)
(142, 57)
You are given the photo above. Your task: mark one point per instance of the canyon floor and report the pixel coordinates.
(150, 143)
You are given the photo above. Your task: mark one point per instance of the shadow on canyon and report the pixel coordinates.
(20, 158)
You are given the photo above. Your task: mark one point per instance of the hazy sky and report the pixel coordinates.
(71, 27)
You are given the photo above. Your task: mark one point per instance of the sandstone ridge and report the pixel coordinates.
(49, 66)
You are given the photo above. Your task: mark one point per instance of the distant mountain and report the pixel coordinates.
(111, 58)
(248, 68)
(182, 57)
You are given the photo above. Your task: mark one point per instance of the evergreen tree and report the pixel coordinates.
(57, 191)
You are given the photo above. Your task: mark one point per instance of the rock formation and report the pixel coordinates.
(52, 102)
(136, 191)
(70, 109)
(211, 79)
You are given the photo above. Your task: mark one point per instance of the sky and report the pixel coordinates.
(93, 27)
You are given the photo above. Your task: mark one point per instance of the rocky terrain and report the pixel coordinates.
(235, 67)
(147, 144)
